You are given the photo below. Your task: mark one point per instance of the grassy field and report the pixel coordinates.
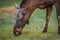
(8, 2)
(33, 31)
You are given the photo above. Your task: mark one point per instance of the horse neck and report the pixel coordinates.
(24, 3)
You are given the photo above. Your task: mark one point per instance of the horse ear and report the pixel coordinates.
(17, 6)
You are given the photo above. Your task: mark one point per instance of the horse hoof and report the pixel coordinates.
(44, 31)
(59, 33)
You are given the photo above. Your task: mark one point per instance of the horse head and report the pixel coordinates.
(19, 18)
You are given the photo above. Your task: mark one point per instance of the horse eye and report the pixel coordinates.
(17, 15)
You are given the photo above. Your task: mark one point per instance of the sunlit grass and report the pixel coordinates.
(9, 9)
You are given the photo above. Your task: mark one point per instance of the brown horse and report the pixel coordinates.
(28, 6)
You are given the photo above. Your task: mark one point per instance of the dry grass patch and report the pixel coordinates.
(10, 9)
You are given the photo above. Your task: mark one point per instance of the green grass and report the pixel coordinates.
(8, 2)
(33, 31)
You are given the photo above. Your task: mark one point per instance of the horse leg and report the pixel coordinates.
(58, 18)
(58, 14)
(49, 10)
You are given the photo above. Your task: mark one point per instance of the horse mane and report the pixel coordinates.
(23, 2)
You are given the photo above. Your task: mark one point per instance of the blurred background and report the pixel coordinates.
(33, 31)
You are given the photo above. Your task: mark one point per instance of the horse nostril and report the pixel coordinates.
(17, 32)
(17, 29)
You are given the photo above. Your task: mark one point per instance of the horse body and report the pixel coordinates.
(28, 7)
(39, 3)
